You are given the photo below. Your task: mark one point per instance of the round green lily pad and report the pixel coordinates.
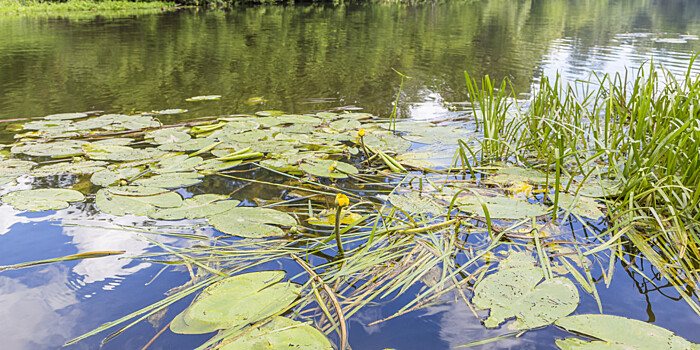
(42, 199)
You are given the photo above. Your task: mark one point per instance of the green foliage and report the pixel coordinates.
(36, 7)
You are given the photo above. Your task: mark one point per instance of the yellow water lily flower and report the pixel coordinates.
(361, 132)
(333, 167)
(341, 200)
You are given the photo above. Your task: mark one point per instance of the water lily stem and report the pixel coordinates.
(338, 213)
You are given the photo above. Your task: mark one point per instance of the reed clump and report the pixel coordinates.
(637, 135)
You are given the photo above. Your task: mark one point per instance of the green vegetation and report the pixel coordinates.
(486, 228)
(36, 7)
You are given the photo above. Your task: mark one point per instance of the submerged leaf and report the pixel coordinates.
(42, 199)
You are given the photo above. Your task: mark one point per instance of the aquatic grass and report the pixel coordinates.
(643, 134)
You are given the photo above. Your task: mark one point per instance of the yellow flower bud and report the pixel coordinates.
(341, 200)
(333, 166)
(361, 132)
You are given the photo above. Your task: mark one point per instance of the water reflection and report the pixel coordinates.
(33, 312)
(345, 53)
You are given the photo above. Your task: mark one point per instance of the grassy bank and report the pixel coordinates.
(31, 7)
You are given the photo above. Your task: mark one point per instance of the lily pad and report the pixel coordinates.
(345, 124)
(415, 203)
(196, 207)
(581, 206)
(136, 200)
(501, 207)
(189, 145)
(51, 149)
(204, 98)
(167, 111)
(15, 167)
(515, 292)
(236, 302)
(119, 153)
(171, 180)
(65, 116)
(251, 222)
(214, 165)
(615, 332)
(42, 199)
(83, 167)
(327, 217)
(181, 162)
(328, 168)
(532, 176)
(281, 333)
(108, 177)
(170, 135)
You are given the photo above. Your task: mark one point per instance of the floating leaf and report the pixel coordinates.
(204, 98)
(108, 177)
(83, 167)
(236, 302)
(501, 207)
(170, 135)
(181, 162)
(280, 333)
(386, 141)
(136, 200)
(15, 167)
(617, 332)
(214, 165)
(345, 124)
(119, 153)
(581, 206)
(42, 199)
(251, 222)
(168, 111)
(514, 292)
(532, 176)
(445, 135)
(171, 180)
(196, 207)
(255, 101)
(415, 203)
(327, 217)
(600, 188)
(269, 113)
(328, 168)
(64, 116)
(51, 149)
(114, 142)
(189, 145)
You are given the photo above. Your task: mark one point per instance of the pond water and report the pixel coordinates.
(298, 59)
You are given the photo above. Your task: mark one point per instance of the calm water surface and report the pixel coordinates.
(299, 58)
